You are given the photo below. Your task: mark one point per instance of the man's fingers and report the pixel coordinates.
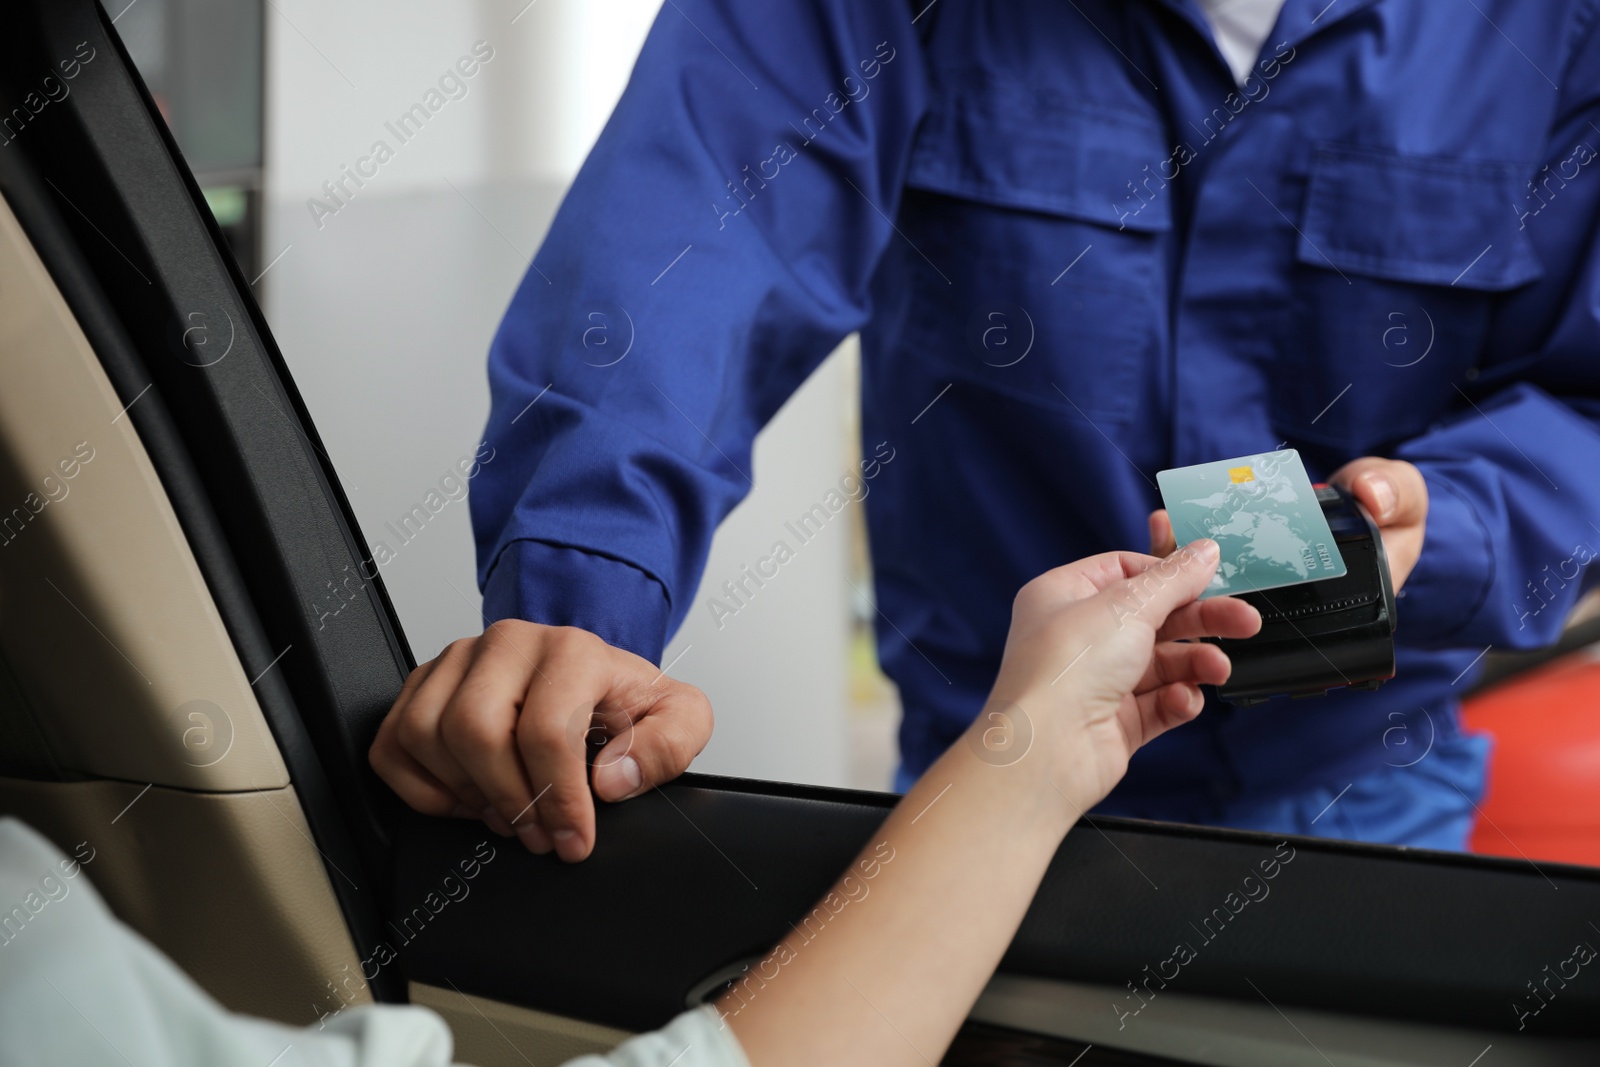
(1162, 540)
(552, 735)
(1392, 490)
(498, 728)
(553, 750)
(479, 724)
(389, 759)
(417, 724)
(413, 682)
(658, 746)
(411, 780)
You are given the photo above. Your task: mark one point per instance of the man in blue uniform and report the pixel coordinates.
(1081, 243)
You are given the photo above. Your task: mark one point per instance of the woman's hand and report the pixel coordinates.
(1093, 669)
(1096, 664)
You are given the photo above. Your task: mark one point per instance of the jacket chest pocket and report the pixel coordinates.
(1400, 263)
(1037, 271)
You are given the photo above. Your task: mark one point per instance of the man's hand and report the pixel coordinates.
(498, 728)
(1392, 490)
(1396, 495)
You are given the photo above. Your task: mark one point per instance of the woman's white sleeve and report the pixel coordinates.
(697, 1038)
(77, 986)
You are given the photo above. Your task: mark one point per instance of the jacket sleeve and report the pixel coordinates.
(1514, 475)
(717, 244)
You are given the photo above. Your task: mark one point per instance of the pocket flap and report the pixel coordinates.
(1417, 219)
(1017, 147)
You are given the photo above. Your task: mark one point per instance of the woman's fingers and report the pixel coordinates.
(1161, 587)
(1163, 590)
(1083, 578)
(1190, 662)
(1222, 616)
(1162, 709)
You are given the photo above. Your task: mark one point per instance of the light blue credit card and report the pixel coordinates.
(1262, 512)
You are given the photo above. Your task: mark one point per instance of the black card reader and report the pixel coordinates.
(1329, 634)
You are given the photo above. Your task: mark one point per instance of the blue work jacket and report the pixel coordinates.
(1077, 252)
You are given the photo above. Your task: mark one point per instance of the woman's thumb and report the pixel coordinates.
(1165, 585)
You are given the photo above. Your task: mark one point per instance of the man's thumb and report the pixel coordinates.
(1393, 490)
(657, 748)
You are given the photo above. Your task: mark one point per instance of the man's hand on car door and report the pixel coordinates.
(500, 727)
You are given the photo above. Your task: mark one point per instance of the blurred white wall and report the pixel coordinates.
(385, 308)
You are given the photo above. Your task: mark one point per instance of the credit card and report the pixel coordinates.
(1263, 514)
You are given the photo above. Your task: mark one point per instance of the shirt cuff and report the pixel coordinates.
(1446, 590)
(560, 586)
(697, 1038)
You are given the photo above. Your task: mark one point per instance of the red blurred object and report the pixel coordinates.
(1543, 799)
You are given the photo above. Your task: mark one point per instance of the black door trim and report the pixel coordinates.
(709, 871)
(108, 203)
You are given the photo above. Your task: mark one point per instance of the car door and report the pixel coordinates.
(173, 693)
